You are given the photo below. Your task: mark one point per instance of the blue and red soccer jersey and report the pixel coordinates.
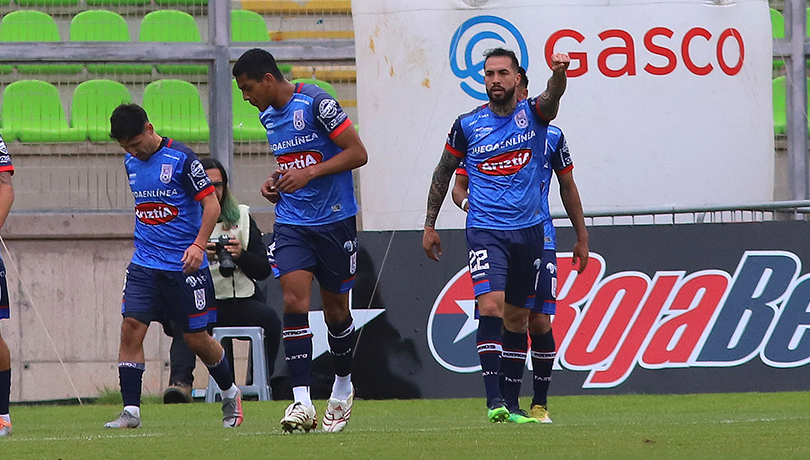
(503, 157)
(5, 166)
(300, 135)
(167, 189)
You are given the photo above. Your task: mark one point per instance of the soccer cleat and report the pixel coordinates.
(497, 411)
(337, 415)
(177, 393)
(540, 413)
(299, 417)
(5, 428)
(232, 411)
(520, 417)
(125, 420)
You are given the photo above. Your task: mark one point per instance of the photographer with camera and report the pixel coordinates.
(238, 258)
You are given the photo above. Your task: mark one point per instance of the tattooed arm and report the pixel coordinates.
(438, 189)
(549, 101)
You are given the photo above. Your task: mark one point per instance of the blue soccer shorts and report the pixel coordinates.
(328, 251)
(159, 295)
(545, 300)
(506, 260)
(4, 310)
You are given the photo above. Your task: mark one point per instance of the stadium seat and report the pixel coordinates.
(246, 125)
(778, 30)
(46, 3)
(182, 2)
(34, 26)
(104, 26)
(779, 106)
(298, 6)
(172, 26)
(247, 26)
(32, 112)
(326, 86)
(93, 102)
(117, 2)
(175, 109)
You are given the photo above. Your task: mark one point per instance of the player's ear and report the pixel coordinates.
(149, 128)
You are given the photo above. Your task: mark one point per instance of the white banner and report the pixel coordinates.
(668, 103)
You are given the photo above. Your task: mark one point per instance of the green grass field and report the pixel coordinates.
(728, 426)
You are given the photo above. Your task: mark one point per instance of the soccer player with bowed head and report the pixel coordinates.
(502, 144)
(6, 199)
(175, 211)
(315, 233)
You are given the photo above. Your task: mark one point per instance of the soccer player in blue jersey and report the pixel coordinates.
(6, 199)
(315, 233)
(175, 211)
(502, 144)
(543, 348)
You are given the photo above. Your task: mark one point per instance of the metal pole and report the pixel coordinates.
(220, 112)
(795, 18)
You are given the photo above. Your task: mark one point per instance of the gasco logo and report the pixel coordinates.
(506, 164)
(155, 213)
(610, 325)
(298, 160)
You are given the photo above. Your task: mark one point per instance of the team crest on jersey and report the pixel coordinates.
(505, 164)
(165, 173)
(199, 299)
(3, 148)
(327, 108)
(520, 119)
(298, 119)
(197, 169)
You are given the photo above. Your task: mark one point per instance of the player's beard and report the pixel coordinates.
(505, 97)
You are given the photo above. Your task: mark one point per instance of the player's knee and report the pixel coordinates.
(294, 303)
(132, 331)
(197, 341)
(539, 323)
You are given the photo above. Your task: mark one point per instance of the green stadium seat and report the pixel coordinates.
(46, 3)
(182, 2)
(172, 26)
(34, 26)
(175, 109)
(324, 85)
(117, 2)
(104, 26)
(247, 26)
(93, 102)
(246, 124)
(779, 106)
(32, 112)
(778, 30)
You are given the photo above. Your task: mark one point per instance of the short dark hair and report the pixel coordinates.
(255, 63)
(127, 121)
(496, 52)
(524, 79)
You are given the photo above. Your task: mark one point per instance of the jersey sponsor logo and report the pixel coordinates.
(294, 142)
(5, 159)
(610, 325)
(157, 193)
(197, 169)
(165, 173)
(521, 120)
(298, 160)
(155, 213)
(3, 148)
(480, 33)
(511, 142)
(328, 108)
(506, 164)
(132, 179)
(298, 119)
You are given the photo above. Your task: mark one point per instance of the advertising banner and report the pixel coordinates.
(660, 309)
(668, 103)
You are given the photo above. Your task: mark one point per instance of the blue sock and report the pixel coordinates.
(130, 375)
(298, 348)
(543, 355)
(5, 390)
(489, 352)
(342, 338)
(512, 361)
(221, 372)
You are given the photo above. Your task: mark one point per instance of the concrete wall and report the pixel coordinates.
(65, 275)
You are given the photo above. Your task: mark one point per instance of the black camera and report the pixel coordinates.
(226, 263)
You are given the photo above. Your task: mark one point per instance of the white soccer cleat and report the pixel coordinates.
(299, 417)
(337, 415)
(5, 428)
(232, 415)
(125, 420)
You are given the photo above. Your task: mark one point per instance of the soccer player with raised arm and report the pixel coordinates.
(502, 144)
(6, 199)
(175, 211)
(315, 234)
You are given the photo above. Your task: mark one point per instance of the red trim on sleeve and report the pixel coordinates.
(452, 150)
(9, 168)
(565, 170)
(461, 171)
(537, 111)
(169, 142)
(298, 87)
(204, 193)
(336, 132)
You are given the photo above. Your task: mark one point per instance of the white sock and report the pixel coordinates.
(133, 410)
(230, 393)
(6, 418)
(342, 388)
(301, 394)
